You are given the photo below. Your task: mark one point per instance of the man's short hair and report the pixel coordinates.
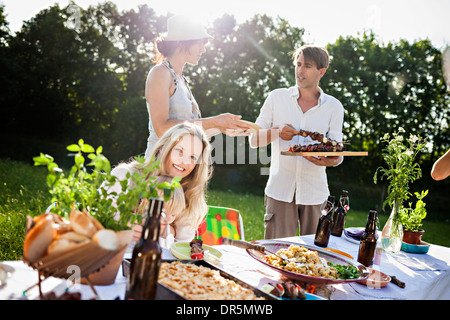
(318, 55)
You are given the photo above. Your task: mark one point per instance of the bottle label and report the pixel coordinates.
(347, 207)
(324, 212)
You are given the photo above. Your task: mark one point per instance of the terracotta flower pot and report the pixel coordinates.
(107, 275)
(413, 237)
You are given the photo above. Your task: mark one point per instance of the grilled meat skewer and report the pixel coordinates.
(318, 147)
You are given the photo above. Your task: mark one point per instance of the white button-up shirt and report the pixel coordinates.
(292, 175)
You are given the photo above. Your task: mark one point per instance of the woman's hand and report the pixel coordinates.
(137, 232)
(163, 226)
(141, 209)
(227, 124)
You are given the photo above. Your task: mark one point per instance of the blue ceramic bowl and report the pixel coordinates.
(416, 248)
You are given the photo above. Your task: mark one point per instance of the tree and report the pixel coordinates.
(134, 32)
(43, 53)
(60, 83)
(384, 87)
(243, 64)
(63, 81)
(5, 64)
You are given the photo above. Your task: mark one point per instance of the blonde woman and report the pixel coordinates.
(169, 98)
(183, 151)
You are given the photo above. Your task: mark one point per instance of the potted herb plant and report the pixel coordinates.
(399, 155)
(86, 188)
(411, 219)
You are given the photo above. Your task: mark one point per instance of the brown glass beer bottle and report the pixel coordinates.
(325, 223)
(339, 214)
(368, 242)
(146, 259)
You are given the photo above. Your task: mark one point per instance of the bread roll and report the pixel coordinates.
(62, 228)
(41, 217)
(97, 224)
(107, 239)
(60, 245)
(74, 237)
(58, 219)
(38, 239)
(82, 224)
(52, 216)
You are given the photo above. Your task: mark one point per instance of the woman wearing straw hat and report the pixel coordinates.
(169, 99)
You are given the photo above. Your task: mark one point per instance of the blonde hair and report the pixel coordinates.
(176, 204)
(194, 185)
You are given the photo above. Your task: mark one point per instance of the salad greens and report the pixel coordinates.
(346, 271)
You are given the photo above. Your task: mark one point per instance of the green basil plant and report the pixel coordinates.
(410, 218)
(86, 187)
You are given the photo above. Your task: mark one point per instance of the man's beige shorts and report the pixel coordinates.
(282, 219)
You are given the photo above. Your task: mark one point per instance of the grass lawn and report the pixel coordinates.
(23, 192)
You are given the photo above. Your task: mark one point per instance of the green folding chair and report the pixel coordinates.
(221, 222)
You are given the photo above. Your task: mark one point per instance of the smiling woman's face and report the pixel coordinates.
(184, 156)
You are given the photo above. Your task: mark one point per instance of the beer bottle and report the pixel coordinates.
(340, 214)
(146, 258)
(368, 242)
(325, 222)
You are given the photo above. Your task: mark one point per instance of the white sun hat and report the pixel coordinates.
(182, 28)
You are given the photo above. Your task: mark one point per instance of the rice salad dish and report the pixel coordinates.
(311, 264)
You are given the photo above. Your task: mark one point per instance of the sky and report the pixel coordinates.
(323, 20)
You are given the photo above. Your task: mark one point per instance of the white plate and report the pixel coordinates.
(182, 250)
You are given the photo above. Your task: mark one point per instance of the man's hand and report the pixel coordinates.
(325, 161)
(287, 132)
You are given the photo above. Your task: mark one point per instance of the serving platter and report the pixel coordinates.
(164, 292)
(336, 258)
(339, 252)
(325, 153)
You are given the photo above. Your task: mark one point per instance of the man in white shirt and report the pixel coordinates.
(297, 186)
